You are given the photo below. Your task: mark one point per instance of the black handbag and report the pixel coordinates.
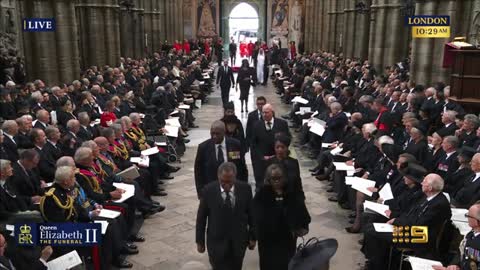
(314, 254)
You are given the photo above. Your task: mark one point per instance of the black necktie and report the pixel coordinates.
(228, 200)
(269, 125)
(220, 158)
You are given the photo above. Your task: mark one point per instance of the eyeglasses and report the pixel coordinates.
(468, 216)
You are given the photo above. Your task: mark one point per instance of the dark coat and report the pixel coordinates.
(25, 183)
(10, 148)
(253, 117)
(418, 150)
(466, 196)
(445, 167)
(39, 125)
(334, 127)
(238, 229)
(48, 159)
(225, 79)
(23, 141)
(457, 180)
(10, 203)
(276, 221)
(206, 164)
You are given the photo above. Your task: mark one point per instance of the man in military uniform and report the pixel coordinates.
(469, 257)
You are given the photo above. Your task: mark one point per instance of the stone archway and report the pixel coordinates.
(226, 8)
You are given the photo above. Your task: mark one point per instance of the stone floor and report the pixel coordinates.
(171, 234)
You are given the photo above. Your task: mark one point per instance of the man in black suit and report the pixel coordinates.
(215, 151)
(25, 181)
(227, 207)
(448, 120)
(51, 152)
(232, 48)
(43, 119)
(448, 164)
(262, 142)
(10, 131)
(467, 195)
(86, 132)
(23, 136)
(431, 211)
(70, 141)
(225, 78)
(253, 117)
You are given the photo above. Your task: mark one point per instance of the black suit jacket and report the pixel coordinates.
(253, 117)
(48, 159)
(445, 167)
(206, 164)
(86, 134)
(447, 131)
(262, 143)
(239, 228)
(431, 213)
(225, 78)
(466, 196)
(11, 203)
(39, 126)
(23, 141)
(25, 183)
(10, 148)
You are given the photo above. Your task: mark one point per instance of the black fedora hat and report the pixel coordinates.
(314, 255)
(467, 152)
(414, 172)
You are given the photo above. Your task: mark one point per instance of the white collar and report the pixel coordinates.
(231, 189)
(477, 175)
(8, 135)
(451, 153)
(447, 125)
(431, 197)
(271, 121)
(53, 143)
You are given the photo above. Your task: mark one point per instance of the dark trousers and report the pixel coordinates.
(259, 167)
(230, 261)
(225, 92)
(376, 247)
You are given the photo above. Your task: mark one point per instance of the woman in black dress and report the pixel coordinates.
(289, 165)
(245, 78)
(280, 218)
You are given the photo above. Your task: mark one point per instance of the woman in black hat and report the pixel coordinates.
(463, 172)
(436, 151)
(413, 176)
(245, 79)
(280, 217)
(233, 125)
(419, 146)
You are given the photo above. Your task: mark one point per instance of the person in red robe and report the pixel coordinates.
(293, 50)
(250, 48)
(108, 116)
(186, 47)
(207, 48)
(243, 49)
(177, 46)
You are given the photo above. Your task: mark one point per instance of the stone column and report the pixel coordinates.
(174, 20)
(349, 28)
(98, 29)
(427, 54)
(52, 56)
(153, 23)
(361, 33)
(388, 35)
(309, 25)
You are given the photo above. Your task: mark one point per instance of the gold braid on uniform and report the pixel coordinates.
(107, 162)
(68, 206)
(121, 151)
(93, 183)
(100, 172)
(137, 138)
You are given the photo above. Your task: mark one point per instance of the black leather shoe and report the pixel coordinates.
(330, 190)
(159, 193)
(351, 221)
(352, 215)
(155, 203)
(333, 199)
(186, 140)
(166, 177)
(193, 126)
(313, 169)
(136, 238)
(352, 230)
(122, 264)
(160, 182)
(345, 206)
(128, 251)
(132, 245)
(174, 169)
(321, 177)
(316, 173)
(360, 242)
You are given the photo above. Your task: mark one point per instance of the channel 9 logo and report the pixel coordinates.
(410, 234)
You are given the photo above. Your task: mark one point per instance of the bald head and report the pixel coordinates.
(217, 131)
(267, 112)
(432, 184)
(475, 163)
(102, 143)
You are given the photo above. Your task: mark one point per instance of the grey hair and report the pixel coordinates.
(452, 140)
(39, 112)
(65, 161)
(366, 98)
(37, 95)
(90, 144)
(134, 116)
(82, 154)
(385, 139)
(336, 105)
(436, 182)
(63, 173)
(71, 123)
(83, 116)
(451, 115)
(369, 128)
(55, 89)
(227, 167)
(116, 127)
(4, 163)
(7, 125)
(472, 118)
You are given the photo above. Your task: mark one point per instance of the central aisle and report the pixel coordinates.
(171, 234)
